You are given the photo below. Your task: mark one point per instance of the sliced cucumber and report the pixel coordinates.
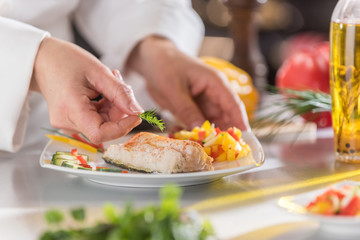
(74, 165)
(68, 154)
(59, 161)
(109, 170)
(67, 159)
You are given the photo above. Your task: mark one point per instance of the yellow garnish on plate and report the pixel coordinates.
(72, 142)
(220, 145)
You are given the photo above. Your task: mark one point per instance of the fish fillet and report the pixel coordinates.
(153, 153)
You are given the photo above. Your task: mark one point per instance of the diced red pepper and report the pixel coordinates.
(74, 152)
(85, 165)
(217, 153)
(232, 133)
(201, 135)
(352, 208)
(78, 157)
(101, 147)
(217, 131)
(81, 159)
(80, 138)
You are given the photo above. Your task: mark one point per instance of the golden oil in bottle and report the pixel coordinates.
(345, 89)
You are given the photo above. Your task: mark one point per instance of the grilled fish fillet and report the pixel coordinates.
(153, 153)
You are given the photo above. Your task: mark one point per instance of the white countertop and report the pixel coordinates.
(27, 189)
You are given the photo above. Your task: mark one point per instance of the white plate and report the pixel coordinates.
(332, 225)
(136, 179)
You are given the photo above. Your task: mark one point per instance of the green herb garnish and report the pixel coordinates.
(289, 105)
(78, 214)
(165, 221)
(54, 216)
(295, 103)
(150, 117)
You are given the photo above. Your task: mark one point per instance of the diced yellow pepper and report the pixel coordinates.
(214, 142)
(185, 135)
(230, 154)
(221, 157)
(229, 142)
(220, 139)
(244, 151)
(206, 126)
(320, 207)
(196, 129)
(214, 148)
(237, 132)
(207, 150)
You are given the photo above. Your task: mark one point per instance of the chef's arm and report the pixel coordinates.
(19, 44)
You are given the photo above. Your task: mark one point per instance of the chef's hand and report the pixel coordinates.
(70, 78)
(187, 87)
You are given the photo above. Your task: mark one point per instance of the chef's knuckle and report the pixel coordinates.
(185, 112)
(94, 136)
(125, 91)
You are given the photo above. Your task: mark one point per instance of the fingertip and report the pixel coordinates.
(117, 74)
(196, 123)
(135, 107)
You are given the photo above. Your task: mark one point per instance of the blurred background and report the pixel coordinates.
(265, 31)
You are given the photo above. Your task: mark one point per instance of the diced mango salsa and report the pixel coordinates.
(220, 145)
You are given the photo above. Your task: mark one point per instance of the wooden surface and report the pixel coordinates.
(244, 31)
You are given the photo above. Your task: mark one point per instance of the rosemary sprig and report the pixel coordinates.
(290, 105)
(150, 117)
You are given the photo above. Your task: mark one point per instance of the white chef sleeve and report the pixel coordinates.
(114, 27)
(19, 44)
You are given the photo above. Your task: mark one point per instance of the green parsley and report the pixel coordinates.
(163, 221)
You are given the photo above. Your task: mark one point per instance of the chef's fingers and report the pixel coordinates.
(93, 126)
(231, 105)
(234, 109)
(115, 90)
(186, 110)
(113, 130)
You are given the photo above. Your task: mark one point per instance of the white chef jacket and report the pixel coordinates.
(112, 27)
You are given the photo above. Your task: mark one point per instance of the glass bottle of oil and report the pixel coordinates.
(345, 79)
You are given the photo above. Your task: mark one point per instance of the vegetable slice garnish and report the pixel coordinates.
(72, 142)
(76, 160)
(79, 137)
(79, 157)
